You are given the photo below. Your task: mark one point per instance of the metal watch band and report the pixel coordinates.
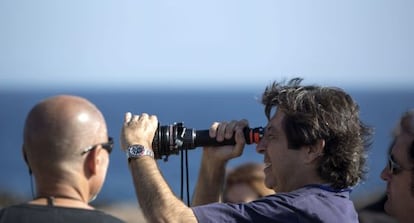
(137, 151)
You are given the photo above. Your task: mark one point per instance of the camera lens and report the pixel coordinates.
(170, 139)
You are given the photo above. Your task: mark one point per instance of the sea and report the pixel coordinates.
(196, 109)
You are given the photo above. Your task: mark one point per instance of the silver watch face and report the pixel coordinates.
(136, 150)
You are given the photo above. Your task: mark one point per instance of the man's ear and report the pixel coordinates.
(94, 160)
(25, 159)
(315, 151)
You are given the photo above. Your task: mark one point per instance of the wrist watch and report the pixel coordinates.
(136, 151)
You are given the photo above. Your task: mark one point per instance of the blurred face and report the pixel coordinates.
(241, 193)
(398, 175)
(281, 163)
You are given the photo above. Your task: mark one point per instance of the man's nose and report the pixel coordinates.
(261, 146)
(385, 174)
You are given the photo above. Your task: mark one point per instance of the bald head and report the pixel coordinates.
(58, 128)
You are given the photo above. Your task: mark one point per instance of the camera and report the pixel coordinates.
(170, 139)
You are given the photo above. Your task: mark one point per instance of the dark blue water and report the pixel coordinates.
(197, 110)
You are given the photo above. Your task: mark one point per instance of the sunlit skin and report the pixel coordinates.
(400, 202)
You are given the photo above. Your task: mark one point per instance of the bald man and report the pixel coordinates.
(66, 147)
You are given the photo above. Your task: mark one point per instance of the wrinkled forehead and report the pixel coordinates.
(276, 116)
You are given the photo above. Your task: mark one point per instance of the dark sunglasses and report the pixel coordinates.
(106, 145)
(393, 166)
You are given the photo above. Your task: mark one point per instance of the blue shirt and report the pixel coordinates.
(313, 203)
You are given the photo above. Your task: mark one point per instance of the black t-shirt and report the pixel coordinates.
(37, 213)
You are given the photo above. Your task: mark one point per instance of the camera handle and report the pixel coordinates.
(203, 138)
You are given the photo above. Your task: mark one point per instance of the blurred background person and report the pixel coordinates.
(398, 174)
(245, 183)
(375, 213)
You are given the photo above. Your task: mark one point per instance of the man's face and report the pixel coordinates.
(281, 163)
(400, 203)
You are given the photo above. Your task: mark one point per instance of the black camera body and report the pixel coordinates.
(170, 139)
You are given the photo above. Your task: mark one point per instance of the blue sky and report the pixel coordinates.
(205, 44)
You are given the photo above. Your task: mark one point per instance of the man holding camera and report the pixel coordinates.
(314, 149)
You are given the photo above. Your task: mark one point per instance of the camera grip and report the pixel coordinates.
(203, 138)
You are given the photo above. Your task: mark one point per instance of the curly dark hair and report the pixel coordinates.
(313, 113)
